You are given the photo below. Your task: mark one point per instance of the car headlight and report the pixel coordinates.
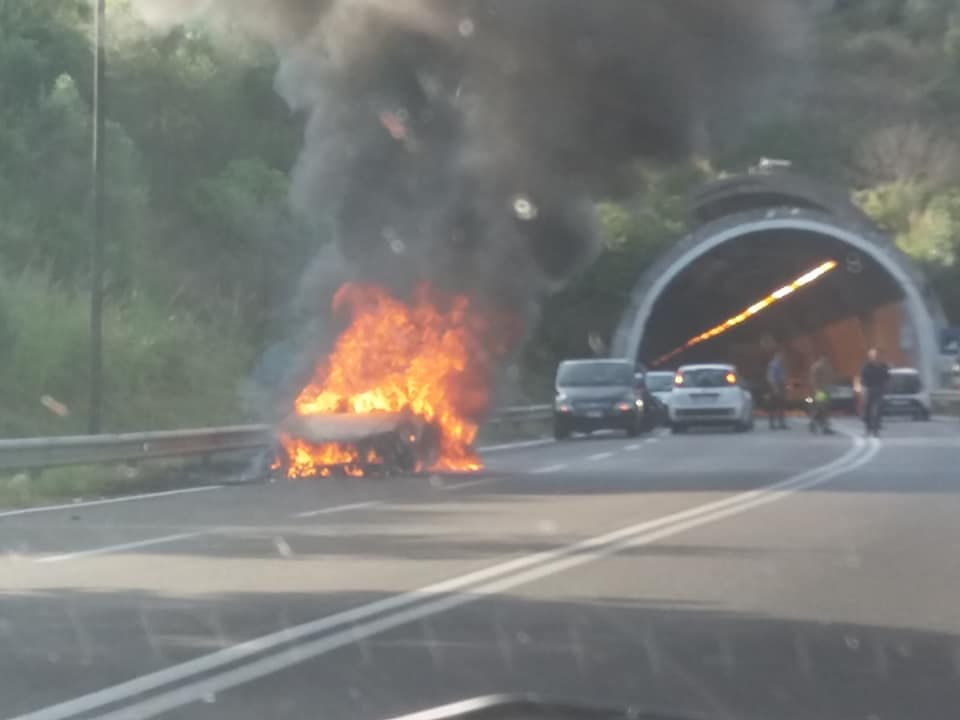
(639, 403)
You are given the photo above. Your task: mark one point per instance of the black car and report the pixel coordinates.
(599, 395)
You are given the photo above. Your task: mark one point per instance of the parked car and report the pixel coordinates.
(710, 395)
(906, 395)
(598, 395)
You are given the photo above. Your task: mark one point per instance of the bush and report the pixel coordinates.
(162, 369)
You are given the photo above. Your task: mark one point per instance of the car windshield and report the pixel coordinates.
(338, 342)
(904, 383)
(704, 378)
(595, 374)
(659, 382)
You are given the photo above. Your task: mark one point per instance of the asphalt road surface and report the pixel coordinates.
(764, 575)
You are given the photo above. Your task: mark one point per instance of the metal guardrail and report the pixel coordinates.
(36, 453)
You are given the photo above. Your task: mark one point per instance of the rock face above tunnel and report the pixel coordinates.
(771, 204)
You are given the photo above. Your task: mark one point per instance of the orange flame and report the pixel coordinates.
(427, 357)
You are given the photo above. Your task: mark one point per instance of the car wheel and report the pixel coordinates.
(921, 416)
(678, 429)
(560, 431)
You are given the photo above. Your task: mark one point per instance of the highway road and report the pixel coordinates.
(767, 575)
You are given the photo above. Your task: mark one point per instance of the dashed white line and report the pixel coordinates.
(550, 469)
(517, 445)
(338, 509)
(370, 620)
(632, 447)
(108, 501)
(121, 547)
(600, 456)
(469, 483)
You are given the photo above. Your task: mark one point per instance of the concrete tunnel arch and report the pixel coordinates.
(765, 206)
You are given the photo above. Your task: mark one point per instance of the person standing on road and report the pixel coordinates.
(873, 379)
(821, 382)
(777, 385)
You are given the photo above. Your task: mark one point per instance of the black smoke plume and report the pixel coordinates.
(463, 142)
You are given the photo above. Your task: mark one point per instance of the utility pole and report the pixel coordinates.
(96, 246)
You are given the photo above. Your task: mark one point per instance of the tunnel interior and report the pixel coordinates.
(856, 305)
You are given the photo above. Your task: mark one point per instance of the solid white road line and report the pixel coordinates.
(417, 604)
(121, 547)
(108, 501)
(556, 561)
(338, 509)
(600, 456)
(633, 447)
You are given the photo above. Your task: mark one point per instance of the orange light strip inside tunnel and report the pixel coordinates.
(758, 307)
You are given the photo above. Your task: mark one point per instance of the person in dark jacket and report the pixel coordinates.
(873, 379)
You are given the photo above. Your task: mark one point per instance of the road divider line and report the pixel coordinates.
(517, 445)
(135, 545)
(600, 456)
(633, 447)
(108, 501)
(122, 547)
(550, 469)
(555, 561)
(338, 509)
(470, 483)
(373, 618)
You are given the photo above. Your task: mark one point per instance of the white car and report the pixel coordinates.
(710, 395)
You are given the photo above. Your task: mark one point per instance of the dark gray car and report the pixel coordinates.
(597, 395)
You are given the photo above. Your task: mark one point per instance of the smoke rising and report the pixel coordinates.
(463, 141)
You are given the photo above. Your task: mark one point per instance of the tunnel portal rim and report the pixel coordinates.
(658, 278)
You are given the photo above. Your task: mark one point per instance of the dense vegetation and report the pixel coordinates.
(204, 255)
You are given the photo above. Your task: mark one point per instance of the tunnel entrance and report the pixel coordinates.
(743, 250)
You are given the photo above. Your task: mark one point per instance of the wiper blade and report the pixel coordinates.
(525, 706)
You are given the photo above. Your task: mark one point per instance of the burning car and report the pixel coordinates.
(354, 445)
(403, 390)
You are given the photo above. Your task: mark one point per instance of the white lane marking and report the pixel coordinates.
(122, 547)
(652, 440)
(338, 509)
(109, 501)
(632, 447)
(550, 469)
(512, 446)
(551, 563)
(503, 576)
(600, 456)
(469, 483)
